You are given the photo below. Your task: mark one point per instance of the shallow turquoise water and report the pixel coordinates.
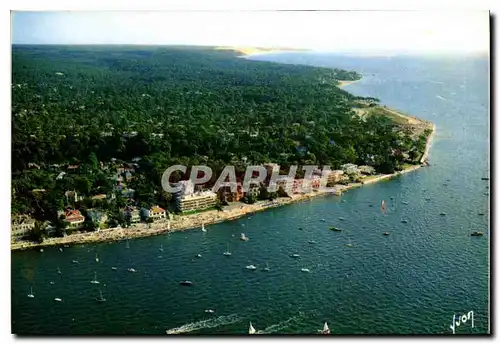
(412, 281)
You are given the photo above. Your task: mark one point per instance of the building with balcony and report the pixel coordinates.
(226, 192)
(196, 201)
(132, 213)
(157, 213)
(21, 225)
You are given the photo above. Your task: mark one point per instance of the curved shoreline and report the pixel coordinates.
(235, 211)
(343, 83)
(180, 223)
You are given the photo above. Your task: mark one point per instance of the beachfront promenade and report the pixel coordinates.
(182, 222)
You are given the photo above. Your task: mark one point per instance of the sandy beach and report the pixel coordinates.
(343, 83)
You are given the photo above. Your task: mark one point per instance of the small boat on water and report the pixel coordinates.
(326, 329)
(476, 233)
(442, 213)
(59, 271)
(322, 220)
(341, 218)
(305, 270)
(227, 253)
(404, 221)
(336, 229)
(186, 283)
(251, 267)
(243, 237)
(113, 268)
(58, 299)
(131, 270)
(348, 243)
(251, 329)
(127, 245)
(203, 229)
(66, 246)
(100, 298)
(96, 258)
(161, 248)
(60, 249)
(312, 242)
(300, 228)
(41, 250)
(95, 281)
(31, 295)
(266, 268)
(386, 233)
(295, 255)
(485, 178)
(210, 311)
(383, 206)
(198, 255)
(51, 282)
(404, 202)
(480, 214)
(75, 262)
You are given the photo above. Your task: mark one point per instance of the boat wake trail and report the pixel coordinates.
(279, 326)
(208, 323)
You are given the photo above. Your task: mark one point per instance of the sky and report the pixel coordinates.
(341, 31)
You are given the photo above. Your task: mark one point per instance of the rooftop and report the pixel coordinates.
(200, 194)
(157, 209)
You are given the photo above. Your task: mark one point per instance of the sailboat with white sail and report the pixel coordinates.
(101, 298)
(31, 295)
(96, 258)
(95, 281)
(349, 244)
(251, 329)
(227, 252)
(326, 329)
(203, 229)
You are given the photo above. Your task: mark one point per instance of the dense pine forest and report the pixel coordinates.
(158, 106)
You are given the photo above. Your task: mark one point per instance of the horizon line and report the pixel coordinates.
(284, 50)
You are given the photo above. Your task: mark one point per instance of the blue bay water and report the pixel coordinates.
(411, 282)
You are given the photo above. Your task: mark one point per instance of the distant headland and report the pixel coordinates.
(247, 51)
